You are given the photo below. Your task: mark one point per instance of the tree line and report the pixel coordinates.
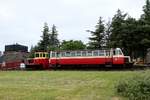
(123, 31)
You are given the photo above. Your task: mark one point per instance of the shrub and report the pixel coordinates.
(136, 87)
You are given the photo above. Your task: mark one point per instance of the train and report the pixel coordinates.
(78, 59)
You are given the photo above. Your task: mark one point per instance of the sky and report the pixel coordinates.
(22, 21)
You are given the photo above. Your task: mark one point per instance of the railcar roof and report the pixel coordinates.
(108, 49)
(78, 50)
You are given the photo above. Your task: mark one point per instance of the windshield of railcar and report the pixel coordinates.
(118, 51)
(41, 55)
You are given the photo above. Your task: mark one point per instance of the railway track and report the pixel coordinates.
(94, 68)
(118, 68)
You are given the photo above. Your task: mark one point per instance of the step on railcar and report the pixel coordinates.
(79, 59)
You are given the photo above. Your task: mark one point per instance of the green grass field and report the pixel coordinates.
(60, 85)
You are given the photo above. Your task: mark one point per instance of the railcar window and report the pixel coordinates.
(44, 55)
(67, 54)
(107, 53)
(73, 54)
(95, 53)
(58, 54)
(101, 53)
(53, 54)
(36, 55)
(78, 53)
(83, 53)
(47, 55)
(114, 53)
(89, 53)
(120, 53)
(63, 54)
(41, 54)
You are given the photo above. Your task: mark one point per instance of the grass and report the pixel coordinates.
(60, 85)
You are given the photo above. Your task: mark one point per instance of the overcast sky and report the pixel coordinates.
(21, 21)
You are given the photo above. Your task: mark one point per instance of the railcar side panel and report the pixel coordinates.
(65, 61)
(44, 62)
(118, 60)
(78, 61)
(86, 60)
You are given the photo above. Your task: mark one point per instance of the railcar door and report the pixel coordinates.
(54, 59)
(108, 58)
(58, 56)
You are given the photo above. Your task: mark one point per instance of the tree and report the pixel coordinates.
(130, 34)
(72, 45)
(107, 34)
(126, 34)
(96, 40)
(53, 39)
(145, 23)
(116, 36)
(130, 37)
(48, 40)
(44, 42)
(145, 27)
(146, 9)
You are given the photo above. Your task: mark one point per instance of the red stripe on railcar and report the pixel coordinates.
(78, 60)
(42, 61)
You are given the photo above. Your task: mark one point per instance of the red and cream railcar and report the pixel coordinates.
(40, 61)
(88, 58)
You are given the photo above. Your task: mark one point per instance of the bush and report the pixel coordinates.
(136, 87)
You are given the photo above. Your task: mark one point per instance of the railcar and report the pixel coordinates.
(79, 59)
(88, 58)
(40, 61)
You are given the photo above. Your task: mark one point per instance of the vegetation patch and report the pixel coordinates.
(61, 85)
(136, 87)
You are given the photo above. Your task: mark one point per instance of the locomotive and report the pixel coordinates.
(78, 59)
